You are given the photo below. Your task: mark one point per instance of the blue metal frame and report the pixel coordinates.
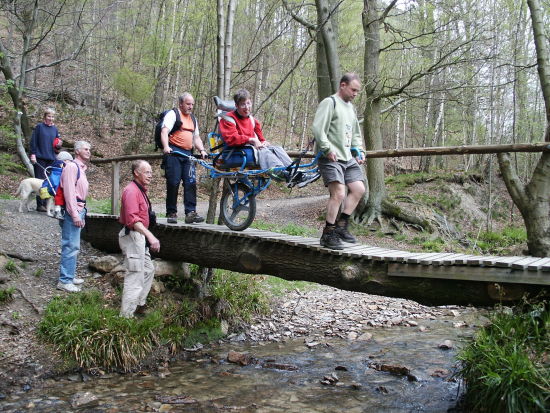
(257, 180)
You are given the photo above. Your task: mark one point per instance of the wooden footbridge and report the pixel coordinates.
(429, 278)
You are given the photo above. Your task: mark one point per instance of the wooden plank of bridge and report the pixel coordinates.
(424, 257)
(507, 262)
(374, 253)
(524, 263)
(537, 265)
(392, 255)
(455, 259)
(433, 260)
(492, 274)
(478, 260)
(545, 267)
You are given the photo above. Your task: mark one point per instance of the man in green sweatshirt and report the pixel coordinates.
(338, 137)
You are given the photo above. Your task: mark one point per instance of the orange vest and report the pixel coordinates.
(183, 137)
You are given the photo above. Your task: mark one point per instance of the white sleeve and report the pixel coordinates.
(196, 133)
(169, 120)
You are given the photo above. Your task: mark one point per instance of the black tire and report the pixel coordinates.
(240, 217)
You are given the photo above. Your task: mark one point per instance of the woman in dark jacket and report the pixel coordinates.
(42, 149)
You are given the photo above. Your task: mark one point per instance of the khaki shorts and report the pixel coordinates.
(344, 172)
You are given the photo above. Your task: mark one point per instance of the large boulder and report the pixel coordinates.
(103, 264)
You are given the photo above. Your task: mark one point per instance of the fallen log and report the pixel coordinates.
(296, 258)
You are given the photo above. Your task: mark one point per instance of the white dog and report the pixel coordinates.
(28, 189)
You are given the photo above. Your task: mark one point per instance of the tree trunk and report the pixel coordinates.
(21, 122)
(232, 5)
(20, 148)
(370, 207)
(221, 50)
(327, 51)
(533, 200)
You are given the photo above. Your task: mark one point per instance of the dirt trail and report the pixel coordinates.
(298, 210)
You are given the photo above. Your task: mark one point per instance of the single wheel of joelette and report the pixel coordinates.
(237, 205)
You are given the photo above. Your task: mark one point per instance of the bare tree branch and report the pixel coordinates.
(303, 22)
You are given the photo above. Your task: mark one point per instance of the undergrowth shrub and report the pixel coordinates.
(238, 296)
(82, 327)
(505, 366)
(6, 294)
(491, 242)
(87, 329)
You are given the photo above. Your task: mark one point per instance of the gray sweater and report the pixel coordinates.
(336, 128)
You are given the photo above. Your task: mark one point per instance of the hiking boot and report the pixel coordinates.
(70, 287)
(193, 217)
(343, 233)
(307, 178)
(141, 310)
(330, 239)
(41, 208)
(172, 218)
(78, 281)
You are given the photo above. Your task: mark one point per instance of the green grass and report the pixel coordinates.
(204, 332)
(505, 366)
(491, 242)
(89, 331)
(290, 228)
(6, 294)
(435, 245)
(278, 286)
(99, 206)
(11, 266)
(238, 296)
(85, 329)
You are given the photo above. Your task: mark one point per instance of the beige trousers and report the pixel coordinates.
(140, 271)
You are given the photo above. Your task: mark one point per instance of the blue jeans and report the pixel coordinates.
(179, 168)
(70, 246)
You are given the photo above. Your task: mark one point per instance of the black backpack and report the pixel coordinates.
(177, 125)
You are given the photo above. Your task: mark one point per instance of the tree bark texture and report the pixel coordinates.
(330, 43)
(533, 199)
(371, 207)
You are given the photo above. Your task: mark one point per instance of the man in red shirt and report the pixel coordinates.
(136, 240)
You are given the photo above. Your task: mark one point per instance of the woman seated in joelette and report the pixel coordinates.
(239, 128)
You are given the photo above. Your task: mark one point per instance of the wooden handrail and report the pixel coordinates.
(388, 153)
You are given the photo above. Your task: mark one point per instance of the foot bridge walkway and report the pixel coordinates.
(429, 278)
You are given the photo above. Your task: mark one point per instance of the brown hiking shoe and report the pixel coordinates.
(343, 233)
(331, 239)
(193, 217)
(172, 218)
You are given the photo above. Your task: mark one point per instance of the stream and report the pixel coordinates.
(398, 369)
